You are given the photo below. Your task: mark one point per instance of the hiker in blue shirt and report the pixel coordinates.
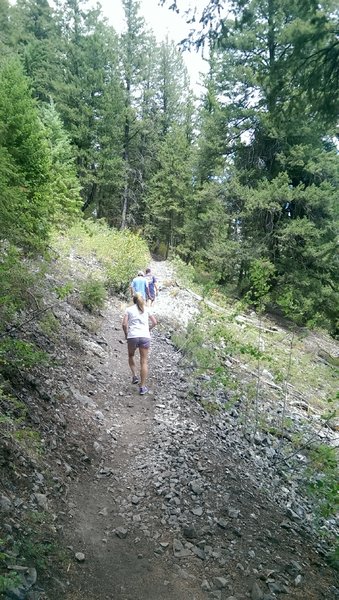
(152, 285)
(139, 285)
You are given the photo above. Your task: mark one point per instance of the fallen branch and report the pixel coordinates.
(238, 318)
(307, 442)
(294, 391)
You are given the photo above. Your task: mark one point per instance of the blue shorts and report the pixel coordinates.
(138, 342)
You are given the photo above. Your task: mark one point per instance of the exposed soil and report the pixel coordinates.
(154, 498)
(165, 509)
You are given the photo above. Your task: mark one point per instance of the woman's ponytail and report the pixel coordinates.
(139, 301)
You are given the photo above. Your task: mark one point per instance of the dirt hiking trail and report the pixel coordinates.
(169, 506)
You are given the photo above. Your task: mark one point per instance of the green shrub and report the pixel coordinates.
(18, 354)
(93, 294)
(18, 284)
(324, 478)
(210, 407)
(62, 291)
(7, 582)
(185, 272)
(49, 324)
(333, 557)
(29, 440)
(12, 411)
(121, 253)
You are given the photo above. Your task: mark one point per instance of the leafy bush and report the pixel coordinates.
(16, 284)
(93, 294)
(129, 253)
(18, 354)
(49, 324)
(324, 477)
(333, 557)
(121, 253)
(186, 272)
(7, 582)
(260, 273)
(29, 441)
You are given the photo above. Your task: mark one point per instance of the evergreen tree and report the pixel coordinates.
(133, 52)
(172, 85)
(213, 123)
(282, 187)
(89, 102)
(64, 185)
(156, 97)
(166, 102)
(5, 26)
(26, 205)
(169, 196)
(34, 35)
(109, 149)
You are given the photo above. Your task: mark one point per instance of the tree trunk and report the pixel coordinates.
(90, 196)
(126, 156)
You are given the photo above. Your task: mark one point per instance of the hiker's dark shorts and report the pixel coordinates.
(138, 342)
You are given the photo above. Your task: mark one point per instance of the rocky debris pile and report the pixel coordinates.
(175, 306)
(213, 503)
(281, 467)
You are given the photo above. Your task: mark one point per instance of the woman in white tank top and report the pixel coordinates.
(137, 324)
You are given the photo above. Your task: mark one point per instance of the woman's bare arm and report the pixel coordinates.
(153, 321)
(125, 325)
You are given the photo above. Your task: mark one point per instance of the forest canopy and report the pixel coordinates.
(241, 182)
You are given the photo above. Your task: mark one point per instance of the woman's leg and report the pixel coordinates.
(131, 352)
(143, 365)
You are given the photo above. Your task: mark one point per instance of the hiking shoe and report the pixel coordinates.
(135, 379)
(143, 390)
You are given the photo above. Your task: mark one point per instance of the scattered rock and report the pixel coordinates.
(220, 583)
(256, 592)
(5, 504)
(121, 532)
(80, 557)
(42, 501)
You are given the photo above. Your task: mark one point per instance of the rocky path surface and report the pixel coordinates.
(172, 504)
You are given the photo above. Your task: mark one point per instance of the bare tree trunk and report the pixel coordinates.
(287, 377)
(90, 197)
(256, 400)
(125, 206)
(126, 153)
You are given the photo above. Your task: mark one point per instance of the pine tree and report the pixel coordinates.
(64, 186)
(35, 37)
(26, 205)
(169, 195)
(5, 26)
(89, 102)
(133, 51)
(166, 102)
(280, 193)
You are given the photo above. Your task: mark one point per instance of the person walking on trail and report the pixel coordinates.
(152, 285)
(137, 324)
(139, 285)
